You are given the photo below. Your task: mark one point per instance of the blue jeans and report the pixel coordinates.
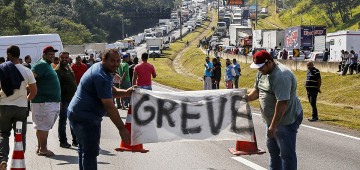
(125, 85)
(88, 134)
(282, 147)
(62, 123)
(146, 87)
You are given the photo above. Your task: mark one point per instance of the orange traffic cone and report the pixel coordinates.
(246, 148)
(126, 147)
(18, 158)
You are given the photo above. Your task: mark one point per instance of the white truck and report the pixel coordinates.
(343, 40)
(273, 38)
(32, 45)
(237, 31)
(154, 46)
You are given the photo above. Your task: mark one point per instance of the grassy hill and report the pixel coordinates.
(307, 12)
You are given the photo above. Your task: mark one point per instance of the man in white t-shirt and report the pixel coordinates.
(13, 99)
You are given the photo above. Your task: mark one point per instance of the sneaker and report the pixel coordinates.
(65, 145)
(313, 119)
(3, 165)
(75, 144)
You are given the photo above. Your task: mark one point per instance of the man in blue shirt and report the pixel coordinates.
(208, 73)
(237, 70)
(92, 100)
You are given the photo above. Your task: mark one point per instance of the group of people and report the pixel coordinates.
(57, 93)
(212, 73)
(349, 61)
(82, 93)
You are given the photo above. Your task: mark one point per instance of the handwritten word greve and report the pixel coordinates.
(166, 112)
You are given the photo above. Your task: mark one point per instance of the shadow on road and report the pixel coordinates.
(67, 159)
(107, 153)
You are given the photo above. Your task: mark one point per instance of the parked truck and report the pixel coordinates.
(237, 31)
(305, 38)
(273, 38)
(154, 46)
(343, 40)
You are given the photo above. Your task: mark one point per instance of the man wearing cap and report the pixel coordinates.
(13, 99)
(45, 106)
(275, 87)
(123, 71)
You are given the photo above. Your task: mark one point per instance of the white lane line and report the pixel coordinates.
(249, 163)
(323, 130)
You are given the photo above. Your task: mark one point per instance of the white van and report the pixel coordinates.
(32, 45)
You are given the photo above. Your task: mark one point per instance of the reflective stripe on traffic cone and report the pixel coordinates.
(126, 147)
(246, 148)
(18, 158)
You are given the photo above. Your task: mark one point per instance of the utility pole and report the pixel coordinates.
(122, 25)
(218, 9)
(275, 7)
(291, 16)
(256, 12)
(179, 14)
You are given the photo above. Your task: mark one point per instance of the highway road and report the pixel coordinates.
(317, 147)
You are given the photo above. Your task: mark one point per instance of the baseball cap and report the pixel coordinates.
(260, 58)
(125, 55)
(49, 48)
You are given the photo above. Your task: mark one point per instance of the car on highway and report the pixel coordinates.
(316, 56)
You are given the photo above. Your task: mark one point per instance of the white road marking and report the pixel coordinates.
(323, 130)
(249, 163)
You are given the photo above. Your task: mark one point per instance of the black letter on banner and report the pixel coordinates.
(215, 129)
(150, 109)
(162, 111)
(235, 114)
(184, 117)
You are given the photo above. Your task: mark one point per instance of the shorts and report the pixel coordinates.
(44, 115)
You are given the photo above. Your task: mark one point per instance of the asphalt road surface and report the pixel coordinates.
(317, 148)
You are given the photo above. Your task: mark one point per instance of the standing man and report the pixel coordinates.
(216, 76)
(229, 74)
(68, 87)
(313, 84)
(143, 72)
(237, 70)
(13, 100)
(93, 99)
(79, 69)
(208, 73)
(125, 83)
(27, 62)
(275, 87)
(45, 106)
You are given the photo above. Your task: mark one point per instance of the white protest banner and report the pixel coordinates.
(190, 115)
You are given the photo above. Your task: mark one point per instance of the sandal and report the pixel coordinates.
(48, 153)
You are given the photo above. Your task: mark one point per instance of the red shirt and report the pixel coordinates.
(144, 71)
(79, 71)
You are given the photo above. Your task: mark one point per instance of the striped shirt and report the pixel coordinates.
(312, 77)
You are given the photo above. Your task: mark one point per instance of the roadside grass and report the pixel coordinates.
(304, 13)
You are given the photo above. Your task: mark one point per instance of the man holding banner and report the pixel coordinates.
(92, 100)
(275, 87)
